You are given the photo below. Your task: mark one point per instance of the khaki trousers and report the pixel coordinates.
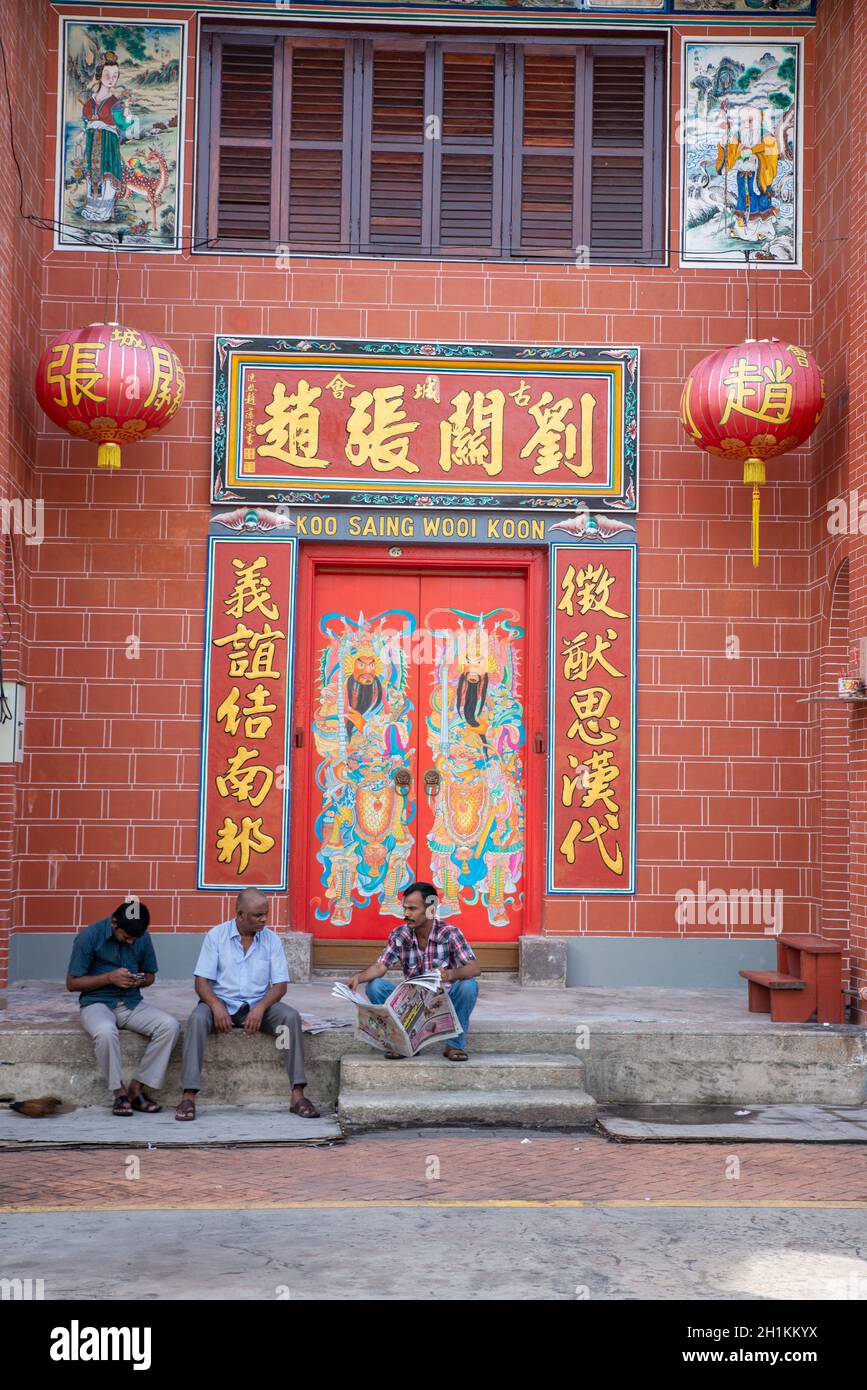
(102, 1023)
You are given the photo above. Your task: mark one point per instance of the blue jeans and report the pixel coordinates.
(463, 994)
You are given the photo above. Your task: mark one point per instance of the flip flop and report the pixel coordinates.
(456, 1054)
(186, 1109)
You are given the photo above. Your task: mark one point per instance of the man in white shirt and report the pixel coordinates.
(241, 976)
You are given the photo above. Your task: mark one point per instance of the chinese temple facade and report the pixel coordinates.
(421, 576)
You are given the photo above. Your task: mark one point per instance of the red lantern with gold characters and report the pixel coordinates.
(111, 385)
(753, 402)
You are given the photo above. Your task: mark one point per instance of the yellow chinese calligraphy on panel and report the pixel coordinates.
(292, 436)
(242, 840)
(250, 593)
(473, 433)
(589, 589)
(380, 437)
(252, 653)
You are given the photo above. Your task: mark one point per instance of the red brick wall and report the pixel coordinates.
(24, 31)
(837, 581)
(726, 753)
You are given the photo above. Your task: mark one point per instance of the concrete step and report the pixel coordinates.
(481, 1072)
(554, 1109)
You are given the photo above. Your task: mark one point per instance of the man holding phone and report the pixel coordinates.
(112, 962)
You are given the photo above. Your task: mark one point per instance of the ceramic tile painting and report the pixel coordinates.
(740, 134)
(121, 88)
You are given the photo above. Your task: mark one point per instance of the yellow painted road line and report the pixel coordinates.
(395, 1204)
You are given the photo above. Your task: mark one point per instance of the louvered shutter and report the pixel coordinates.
(316, 153)
(396, 179)
(244, 122)
(421, 146)
(468, 155)
(546, 168)
(619, 157)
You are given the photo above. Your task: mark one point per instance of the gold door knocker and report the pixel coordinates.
(402, 782)
(432, 784)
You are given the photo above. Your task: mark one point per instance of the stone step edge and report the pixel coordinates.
(475, 1060)
(414, 1107)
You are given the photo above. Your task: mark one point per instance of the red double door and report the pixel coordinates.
(410, 758)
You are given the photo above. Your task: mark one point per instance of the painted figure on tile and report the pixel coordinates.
(754, 168)
(476, 735)
(106, 114)
(361, 728)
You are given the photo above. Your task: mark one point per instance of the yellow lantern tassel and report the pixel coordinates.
(108, 456)
(754, 472)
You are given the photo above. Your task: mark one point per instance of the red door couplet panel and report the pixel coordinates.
(416, 765)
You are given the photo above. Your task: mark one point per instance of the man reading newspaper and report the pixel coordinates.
(425, 943)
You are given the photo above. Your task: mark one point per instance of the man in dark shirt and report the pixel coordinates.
(425, 943)
(111, 962)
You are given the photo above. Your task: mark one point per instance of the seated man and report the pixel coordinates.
(240, 977)
(421, 944)
(112, 962)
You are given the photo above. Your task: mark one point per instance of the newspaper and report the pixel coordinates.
(416, 1014)
(312, 1023)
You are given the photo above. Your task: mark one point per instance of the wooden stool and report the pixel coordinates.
(808, 980)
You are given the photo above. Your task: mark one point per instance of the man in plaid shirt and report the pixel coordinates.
(424, 943)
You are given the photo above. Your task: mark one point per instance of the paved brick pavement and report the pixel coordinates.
(472, 1167)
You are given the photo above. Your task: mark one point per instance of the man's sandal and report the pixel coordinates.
(186, 1109)
(305, 1108)
(456, 1054)
(121, 1105)
(144, 1104)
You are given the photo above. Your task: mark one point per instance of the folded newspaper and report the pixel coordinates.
(418, 1012)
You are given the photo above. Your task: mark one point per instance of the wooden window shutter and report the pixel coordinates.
(243, 191)
(621, 154)
(468, 155)
(396, 181)
(546, 210)
(316, 171)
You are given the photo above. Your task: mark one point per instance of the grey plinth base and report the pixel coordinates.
(298, 946)
(542, 961)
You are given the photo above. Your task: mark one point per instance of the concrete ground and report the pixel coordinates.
(214, 1124)
(496, 1215)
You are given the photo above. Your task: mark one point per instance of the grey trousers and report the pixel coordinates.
(102, 1023)
(280, 1020)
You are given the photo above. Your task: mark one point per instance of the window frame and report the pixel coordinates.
(510, 50)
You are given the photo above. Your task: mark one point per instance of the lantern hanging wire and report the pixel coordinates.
(755, 472)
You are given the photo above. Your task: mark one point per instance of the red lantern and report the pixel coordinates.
(753, 402)
(109, 384)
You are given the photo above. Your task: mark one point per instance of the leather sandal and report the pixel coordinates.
(144, 1104)
(186, 1109)
(305, 1108)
